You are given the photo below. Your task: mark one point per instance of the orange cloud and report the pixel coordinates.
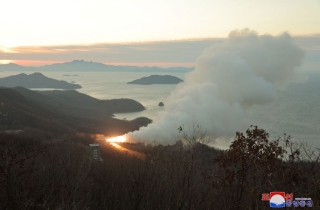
(159, 53)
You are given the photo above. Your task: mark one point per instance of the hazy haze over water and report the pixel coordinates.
(110, 85)
(295, 112)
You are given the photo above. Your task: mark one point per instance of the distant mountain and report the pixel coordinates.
(35, 80)
(156, 79)
(84, 66)
(12, 67)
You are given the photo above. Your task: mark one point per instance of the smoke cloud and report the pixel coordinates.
(229, 77)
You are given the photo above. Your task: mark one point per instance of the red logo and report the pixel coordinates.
(266, 196)
(289, 197)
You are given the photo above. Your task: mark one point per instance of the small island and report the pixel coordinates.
(161, 104)
(156, 79)
(36, 80)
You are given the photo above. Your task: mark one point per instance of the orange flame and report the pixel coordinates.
(117, 139)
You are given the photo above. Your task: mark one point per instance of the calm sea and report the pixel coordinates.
(110, 85)
(295, 112)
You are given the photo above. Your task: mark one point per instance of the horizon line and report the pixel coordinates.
(134, 64)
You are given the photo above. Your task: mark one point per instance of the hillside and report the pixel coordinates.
(79, 104)
(63, 112)
(36, 80)
(156, 79)
(57, 173)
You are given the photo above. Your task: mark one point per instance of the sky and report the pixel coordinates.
(37, 32)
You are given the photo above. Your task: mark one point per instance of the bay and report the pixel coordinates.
(296, 112)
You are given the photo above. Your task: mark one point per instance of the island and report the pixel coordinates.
(36, 80)
(161, 104)
(156, 79)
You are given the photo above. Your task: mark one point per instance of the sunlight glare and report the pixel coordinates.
(5, 61)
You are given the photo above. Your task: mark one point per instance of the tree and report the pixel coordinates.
(253, 164)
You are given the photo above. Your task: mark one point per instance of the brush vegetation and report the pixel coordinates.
(39, 171)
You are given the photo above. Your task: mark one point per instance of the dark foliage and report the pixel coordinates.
(41, 172)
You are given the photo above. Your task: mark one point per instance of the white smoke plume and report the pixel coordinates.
(229, 77)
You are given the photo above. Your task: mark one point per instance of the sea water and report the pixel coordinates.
(296, 112)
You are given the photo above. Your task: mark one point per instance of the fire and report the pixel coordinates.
(117, 139)
(114, 142)
(127, 151)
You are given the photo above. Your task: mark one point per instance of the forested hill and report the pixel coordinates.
(73, 101)
(63, 112)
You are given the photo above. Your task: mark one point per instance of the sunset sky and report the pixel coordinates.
(39, 32)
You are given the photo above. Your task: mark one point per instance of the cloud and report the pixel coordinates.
(180, 51)
(175, 52)
(230, 77)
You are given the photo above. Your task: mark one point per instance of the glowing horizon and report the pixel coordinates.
(34, 63)
(37, 63)
(170, 53)
(5, 61)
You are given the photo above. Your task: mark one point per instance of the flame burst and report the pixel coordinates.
(117, 139)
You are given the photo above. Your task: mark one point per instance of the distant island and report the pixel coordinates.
(156, 79)
(89, 66)
(36, 80)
